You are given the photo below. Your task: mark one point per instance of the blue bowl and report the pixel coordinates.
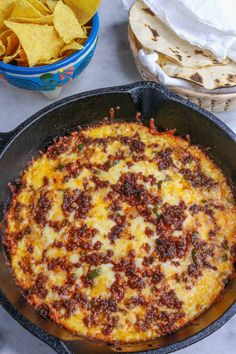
(50, 78)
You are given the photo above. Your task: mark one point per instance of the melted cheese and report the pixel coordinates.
(68, 233)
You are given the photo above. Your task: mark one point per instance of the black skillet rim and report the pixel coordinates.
(133, 89)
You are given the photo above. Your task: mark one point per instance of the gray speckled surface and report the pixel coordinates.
(112, 65)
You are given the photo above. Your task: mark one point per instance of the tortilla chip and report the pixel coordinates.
(13, 52)
(48, 62)
(22, 59)
(87, 30)
(66, 23)
(84, 10)
(4, 35)
(51, 4)
(72, 46)
(41, 32)
(37, 4)
(210, 77)
(40, 42)
(8, 59)
(2, 48)
(12, 44)
(24, 9)
(154, 35)
(6, 7)
(48, 20)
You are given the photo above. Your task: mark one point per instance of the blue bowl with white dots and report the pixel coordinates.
(49, 79)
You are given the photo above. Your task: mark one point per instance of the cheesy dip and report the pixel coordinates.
(121, 233)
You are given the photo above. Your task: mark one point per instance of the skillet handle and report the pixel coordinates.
(4, 139)
(148, 97)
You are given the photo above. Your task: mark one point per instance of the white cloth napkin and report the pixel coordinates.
(127, 4)
(149, 59)
(209, 24)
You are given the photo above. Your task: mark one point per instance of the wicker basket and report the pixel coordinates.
(212, 102)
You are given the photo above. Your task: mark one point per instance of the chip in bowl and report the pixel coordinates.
(2, 48)
(39, 5)
(39, 42)
(67, 24)
(24, 9)
(6, 7)
(41, 32)
(84, 10)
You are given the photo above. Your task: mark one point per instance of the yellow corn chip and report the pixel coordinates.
(84, 9)
(48, 62)
(22, 58)
(66, 23)
(13, 55)
(4, 35)
(40, 42)
(87, 29)
(41, 32)
(2, 48)
(6, 7)
(8, 59)
(12, 44)
(72, 46)
(45, 20)
(39, 6)
(24, 9)
(51, 4)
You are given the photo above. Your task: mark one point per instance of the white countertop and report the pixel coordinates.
(112, 65)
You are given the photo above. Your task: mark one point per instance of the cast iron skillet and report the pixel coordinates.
(170, 111)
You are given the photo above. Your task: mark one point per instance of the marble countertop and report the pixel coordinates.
(112, 65)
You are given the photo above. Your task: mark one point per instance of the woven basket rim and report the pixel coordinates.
(212, 96)
(197, 94)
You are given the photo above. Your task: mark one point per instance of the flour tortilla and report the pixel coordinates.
(154, 35)
(210, 77)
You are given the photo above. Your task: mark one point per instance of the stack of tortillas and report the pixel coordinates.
(179, 61)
